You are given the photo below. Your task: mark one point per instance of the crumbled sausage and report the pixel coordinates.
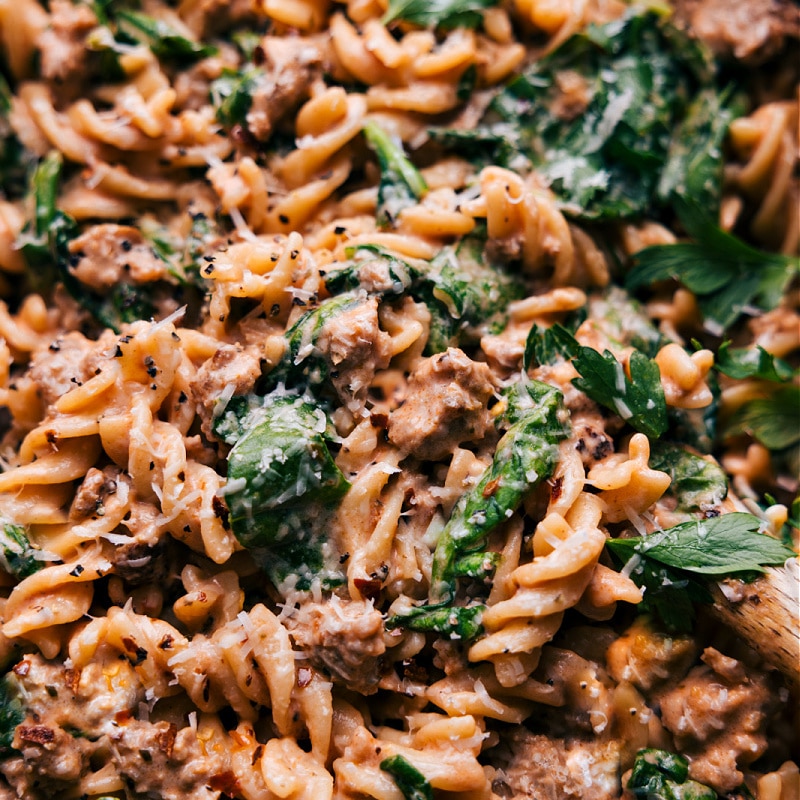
(447, 404)
(343, 638)
(718, 716)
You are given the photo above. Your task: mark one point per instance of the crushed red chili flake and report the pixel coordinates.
(36, 734)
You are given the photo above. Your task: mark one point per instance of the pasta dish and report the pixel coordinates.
(399, 400)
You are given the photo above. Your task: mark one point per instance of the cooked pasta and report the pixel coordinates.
(398, 400)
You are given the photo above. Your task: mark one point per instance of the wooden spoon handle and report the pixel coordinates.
(766, 613)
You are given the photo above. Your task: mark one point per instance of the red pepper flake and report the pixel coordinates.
(72, 678)
(165, 739)
(139, 652)
(491, 487)
(23, 668)
(369, 588)
(121, 717)
(556, 488)
(36, 734)
(220, 510)
(379, 420)
(225, 782)
(304, 676)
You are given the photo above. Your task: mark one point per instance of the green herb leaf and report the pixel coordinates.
(15, 159)
(302, 364)
(411, 782)
(445, 14)
(283, 485)
(774, 421)
(232, 94)
(660, 775)
(727, 275)
(525, 456)
(695, 482)
(548, 346)
(694, 161)
(466, 293)
(12, 711)
(721, 545)
(102, 42)
(751, 362)
(17, 555)
(401, 183)
(45, 235)
(165, 41)
(639, 400)
(605, 160)
(453, 622)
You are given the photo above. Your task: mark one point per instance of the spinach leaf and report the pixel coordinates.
(375, 270)
(694, 160)
(660, 775)
(751, 362)
(727, 275)
(184, 256)
(107, 50)
(466, 293)
(283, 486)
(454, 622)
(12, 711)
(17, 555)
(15, 160)
(604, 158)
(696, 484)
(401, 183)
(302, 363)
(44, 238)
(622, 322)
(232, 94)
(163, 39)
(44, 245)
(774, 421)
(444, 14)
(411, 782)
(525, 456)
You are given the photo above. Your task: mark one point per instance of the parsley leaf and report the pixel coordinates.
(674, 565)
(725, 274)
(547, 346)
(639, 399)
(721, 545)
(751, 362)
(774, 421)
(445, 14)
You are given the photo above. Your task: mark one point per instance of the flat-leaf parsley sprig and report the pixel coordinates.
(675, 564)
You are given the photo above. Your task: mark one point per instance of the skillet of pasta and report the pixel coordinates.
(399, 400)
